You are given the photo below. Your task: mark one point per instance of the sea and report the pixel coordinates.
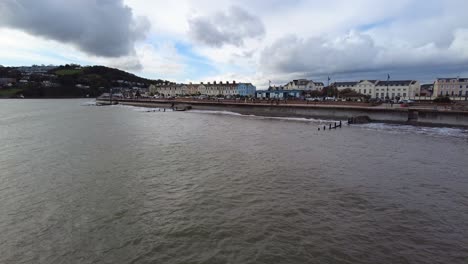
(81, 183)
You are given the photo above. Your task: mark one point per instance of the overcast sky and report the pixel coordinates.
(243, 40)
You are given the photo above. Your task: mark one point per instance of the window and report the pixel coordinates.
(383, 95)
(365, 91)
(404, 94)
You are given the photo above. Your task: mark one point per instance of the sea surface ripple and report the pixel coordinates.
(87, 184)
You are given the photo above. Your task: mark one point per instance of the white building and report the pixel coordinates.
(366, 87)
(406, 89)
(304, 85)
(344, 85)
(168, 89)
(378, 89)
(225, 89)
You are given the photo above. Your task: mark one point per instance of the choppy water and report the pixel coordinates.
(84, 184)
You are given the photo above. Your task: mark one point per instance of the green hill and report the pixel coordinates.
(70, 81)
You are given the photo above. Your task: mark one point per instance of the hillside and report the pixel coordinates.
(65, 81)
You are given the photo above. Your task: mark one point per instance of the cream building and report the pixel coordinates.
(406, 89)
(344, 85)
(169, 89)
(366, 87)
(225, 89)
(378, 89)
(304, 85)
(454, 87)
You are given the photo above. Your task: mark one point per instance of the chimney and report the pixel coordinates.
(214, 82)
(227, 82)
(209, 83)
(221, 82)
(234, 82)
(201, 82)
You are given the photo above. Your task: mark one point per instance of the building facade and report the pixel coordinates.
(344, 85)
(378, 89)
(427, 90)
(279, 94)
(366, 87)
(397, 89)
(304, 85)
(246, 89)
(454, 87)
(225, 89)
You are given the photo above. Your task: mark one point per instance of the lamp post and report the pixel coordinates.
(388, 79)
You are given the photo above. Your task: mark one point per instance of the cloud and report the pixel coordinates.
(232, 27)
(358, 54)
(104, 28)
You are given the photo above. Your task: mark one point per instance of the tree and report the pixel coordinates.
(442, 99)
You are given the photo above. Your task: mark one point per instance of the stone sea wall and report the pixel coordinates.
(395, 115)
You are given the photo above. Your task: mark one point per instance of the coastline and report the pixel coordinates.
(400, 116)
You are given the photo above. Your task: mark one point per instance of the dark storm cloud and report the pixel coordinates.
(232, 28)
(104, 28)
(358, 54)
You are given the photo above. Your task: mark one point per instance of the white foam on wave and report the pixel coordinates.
(295, 119)
(213, 112)
(89, 103)
(406, 129)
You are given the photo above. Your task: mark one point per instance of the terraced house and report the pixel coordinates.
(225, 89)
(403, 89)
(453, 87)
(304, 85)
(406, 89)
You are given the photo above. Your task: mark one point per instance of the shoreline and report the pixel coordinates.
(397, 116)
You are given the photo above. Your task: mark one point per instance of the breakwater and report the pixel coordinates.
(413, 116)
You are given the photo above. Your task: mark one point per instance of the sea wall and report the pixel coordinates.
(394, 115)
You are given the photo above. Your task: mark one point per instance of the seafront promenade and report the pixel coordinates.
(429, 114)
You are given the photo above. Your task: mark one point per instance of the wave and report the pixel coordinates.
(295, 119)
(89, 103)
(406, 129)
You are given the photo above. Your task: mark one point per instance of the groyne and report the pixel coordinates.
(413, 116)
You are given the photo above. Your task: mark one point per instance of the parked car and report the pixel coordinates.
(406, 101)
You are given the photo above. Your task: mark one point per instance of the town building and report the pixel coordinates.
(367, 87)
(279, 94)
(304, 85)
(225, 89)
(344, 85)
(378, 89)
(427, 90)
(454, 87)
(246, 89)
(406, 89)
(7, 81)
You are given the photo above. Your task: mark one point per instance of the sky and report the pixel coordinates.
(254, 41)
